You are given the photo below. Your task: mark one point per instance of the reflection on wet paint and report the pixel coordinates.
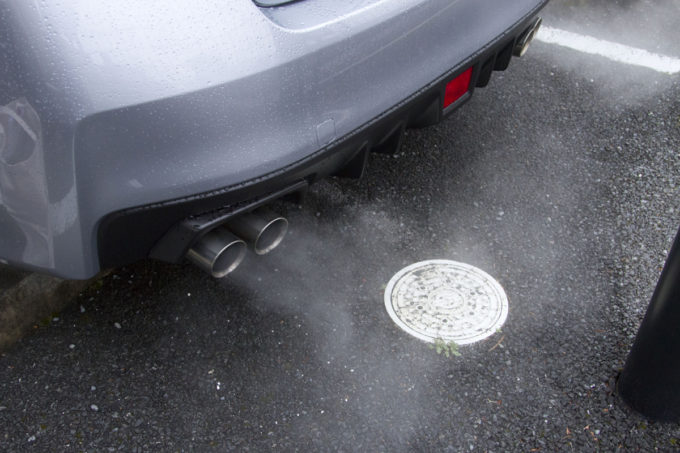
(23, 191)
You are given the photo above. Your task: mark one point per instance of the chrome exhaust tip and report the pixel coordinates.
(262, 229)
(525, 39)
(218, 252)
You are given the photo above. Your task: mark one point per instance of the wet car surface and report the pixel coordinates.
(131, 131)
(566, 191)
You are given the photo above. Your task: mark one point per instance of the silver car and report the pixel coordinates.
(133, 129)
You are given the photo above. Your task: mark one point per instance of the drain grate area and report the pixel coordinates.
(446, 300)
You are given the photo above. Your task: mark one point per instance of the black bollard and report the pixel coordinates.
(650, 381)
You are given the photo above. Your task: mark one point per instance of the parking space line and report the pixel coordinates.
(611, 50)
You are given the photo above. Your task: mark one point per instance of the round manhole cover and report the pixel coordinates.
(446, 300)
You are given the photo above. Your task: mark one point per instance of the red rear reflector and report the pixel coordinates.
(456, 88)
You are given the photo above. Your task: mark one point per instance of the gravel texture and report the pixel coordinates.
(10, 276)
(561, 180)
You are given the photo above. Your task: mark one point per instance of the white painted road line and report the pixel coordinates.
(611, 50)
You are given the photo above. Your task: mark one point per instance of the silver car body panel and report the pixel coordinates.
(129, 103)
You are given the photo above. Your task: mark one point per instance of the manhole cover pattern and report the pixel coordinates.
(446, 300)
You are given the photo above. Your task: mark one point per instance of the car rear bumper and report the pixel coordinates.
(298, 105)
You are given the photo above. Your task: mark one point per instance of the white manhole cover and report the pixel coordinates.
(446, 300)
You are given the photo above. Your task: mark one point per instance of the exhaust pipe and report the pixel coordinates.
(221, 250)
(262, 229)
(218, 252)
(525, 39)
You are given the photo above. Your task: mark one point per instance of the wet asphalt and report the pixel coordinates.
(561, 179)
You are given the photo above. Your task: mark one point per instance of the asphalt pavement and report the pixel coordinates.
(561, 179)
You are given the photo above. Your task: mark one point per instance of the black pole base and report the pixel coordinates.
(650, 381)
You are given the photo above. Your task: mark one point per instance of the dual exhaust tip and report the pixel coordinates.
(221, 250)
(525, 38)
